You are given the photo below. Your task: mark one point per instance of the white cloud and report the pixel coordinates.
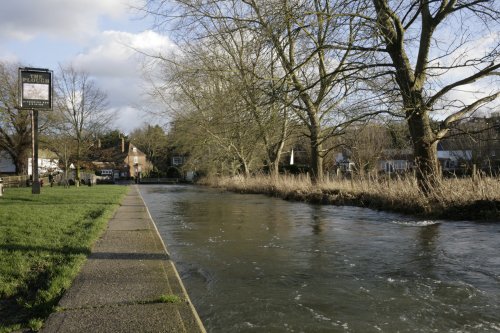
(49, 31)
(116, 59)
(129, 118)
(118, 53)
(74, 19)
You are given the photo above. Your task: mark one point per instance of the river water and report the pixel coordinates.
(252, 263)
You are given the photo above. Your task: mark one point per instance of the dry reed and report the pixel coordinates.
(454, 198)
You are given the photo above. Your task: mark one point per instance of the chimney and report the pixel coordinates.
(123, 144)
(99, 143)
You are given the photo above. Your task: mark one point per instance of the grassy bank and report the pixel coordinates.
(44, 239)
(455, 198)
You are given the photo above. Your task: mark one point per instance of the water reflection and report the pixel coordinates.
(317, 220)
(426, 251)
(257, 264)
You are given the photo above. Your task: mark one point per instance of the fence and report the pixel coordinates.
(15, 181)
(20, 181)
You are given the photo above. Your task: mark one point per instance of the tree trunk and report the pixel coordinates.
(274, 170)
(77, 172)
(246, 169)
(316, 160)
(427, 166)
(425, 151)
(274, 156)
(20, 161)
(316, 145)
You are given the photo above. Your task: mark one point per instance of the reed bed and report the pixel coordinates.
(453, 198)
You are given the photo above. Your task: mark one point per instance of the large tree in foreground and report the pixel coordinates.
(81, 109)
(437, 49)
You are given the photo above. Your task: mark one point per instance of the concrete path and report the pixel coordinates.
(120, 285)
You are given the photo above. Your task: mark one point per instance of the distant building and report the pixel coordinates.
(121, 162)
(136, 162)
(396, 161)
(453, 156)
(390, 161)
(474, 141)
(48, 162)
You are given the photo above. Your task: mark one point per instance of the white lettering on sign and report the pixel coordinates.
(36, 78)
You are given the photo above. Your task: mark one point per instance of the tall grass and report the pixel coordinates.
(44, 239)
(453, 198)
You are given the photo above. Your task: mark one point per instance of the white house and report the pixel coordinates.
(395, 165)
(48, 162)
(450, 159)
(450, 155)
(45, 166)
(396, 160)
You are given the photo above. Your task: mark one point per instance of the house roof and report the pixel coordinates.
(455, 144)
(397, 154)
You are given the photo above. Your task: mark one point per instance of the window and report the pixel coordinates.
(134, 150)
(177, 160)
(136, 159)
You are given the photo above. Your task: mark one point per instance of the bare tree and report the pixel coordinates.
(434, 55)
(81, 108)
(15, 124)
(256, 74)
(313, 41)
(63, 145)
(211, 104)
(242, 65)
(366, 143)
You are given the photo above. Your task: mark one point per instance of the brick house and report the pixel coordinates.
(123, 161)
(135, 160)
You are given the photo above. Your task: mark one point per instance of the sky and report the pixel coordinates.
(100, 37)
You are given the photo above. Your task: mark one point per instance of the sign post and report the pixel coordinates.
(35, 93)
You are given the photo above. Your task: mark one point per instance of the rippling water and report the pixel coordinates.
(257, 264)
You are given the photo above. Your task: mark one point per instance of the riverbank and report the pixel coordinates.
(44, 240)
(458, 199)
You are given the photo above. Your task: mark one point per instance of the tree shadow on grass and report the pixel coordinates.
(70, 250)
(28, 302)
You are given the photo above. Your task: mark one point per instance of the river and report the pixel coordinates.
(252, 263)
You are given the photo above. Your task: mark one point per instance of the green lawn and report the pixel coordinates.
(44, 239)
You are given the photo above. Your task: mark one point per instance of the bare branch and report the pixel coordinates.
(489, 70)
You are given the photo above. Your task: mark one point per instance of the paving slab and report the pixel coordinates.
(119, 286)
(128, 224)
(132, 208)
(128, 241)
(108, 282)
(127, 318)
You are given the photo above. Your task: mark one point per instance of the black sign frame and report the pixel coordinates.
(36, 88)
